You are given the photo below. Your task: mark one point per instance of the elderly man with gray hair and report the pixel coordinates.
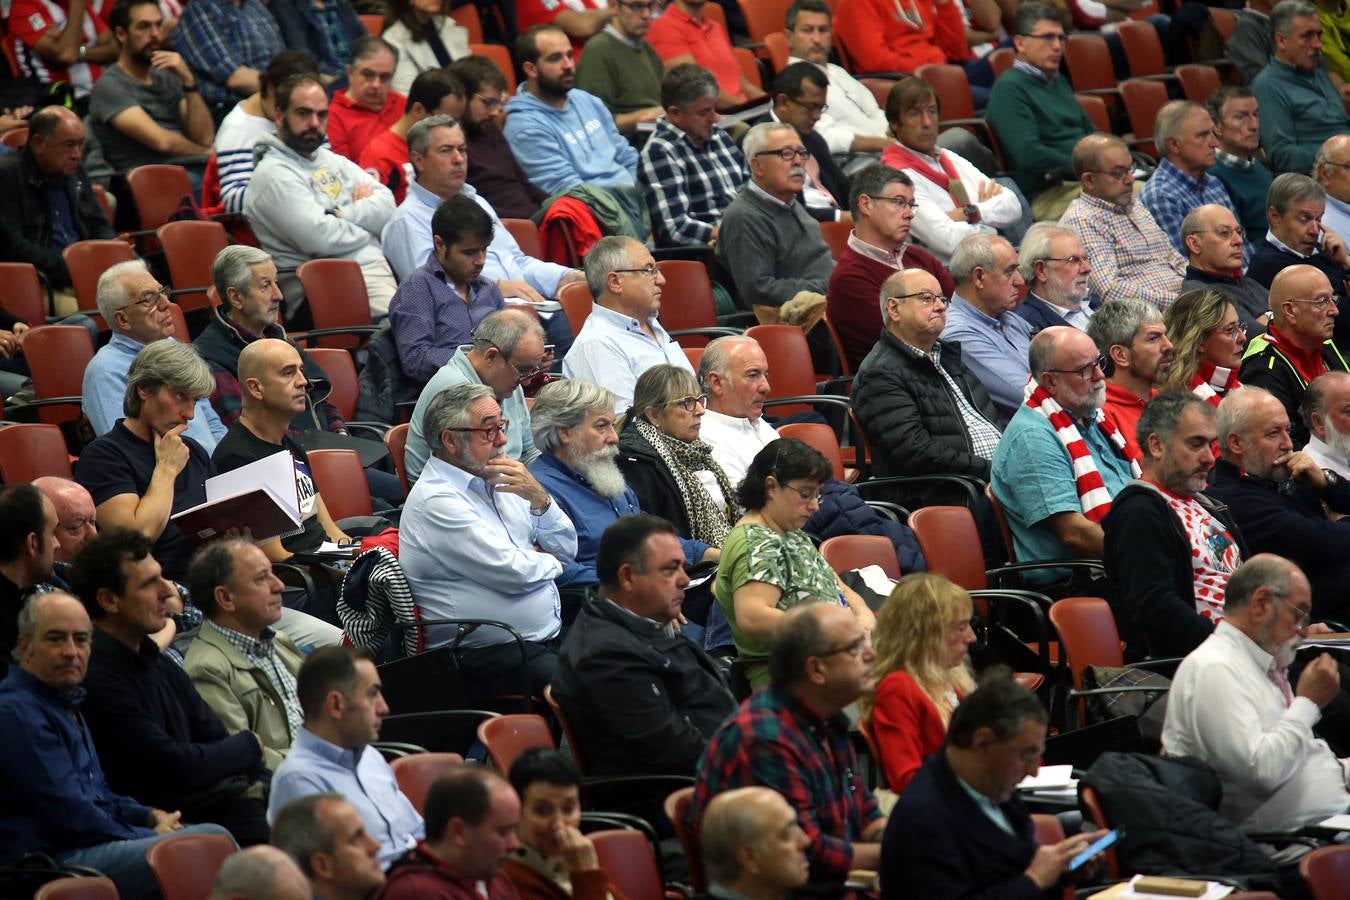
(1055, 268)
(260, 873)
(1136, 357)
(136, 307)
(753, 846)
(481, 538)
(573, 426)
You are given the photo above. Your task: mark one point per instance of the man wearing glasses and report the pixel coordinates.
(468, 540)
(1214, 242)
(622, 68)
(1332, 171)
(1055, 267)
(799, 94)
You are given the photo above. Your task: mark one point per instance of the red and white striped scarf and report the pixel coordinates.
(1211, 383)
(1092, 493)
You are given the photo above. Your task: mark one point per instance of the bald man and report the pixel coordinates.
(261, 873)
(1332, 171)
(76, 517)
(1297, 347)
(753, 846)
(1213, 246)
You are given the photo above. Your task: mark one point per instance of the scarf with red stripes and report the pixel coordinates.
(1092, 493)
(1212, 383)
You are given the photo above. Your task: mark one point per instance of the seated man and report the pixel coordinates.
(251, 119)
(683, 34)
(1055, 269)
(573, 426)
(47, 198)
(1169, 548)
(1232, 707)
(467, 544)
(1060, 462)
(642, 697)
(993, 339)
(56, 798)
(324, 834)
(622, 68)
(1250, 47)
(768, 241)
(880, 38)
(799, 93)
(944, 839)
(472, 816)
(148, 108)
(752, 845)
(1136, 357)
(243, 668)
(1214, 242)
(1237, 128)
(1298, 345)
(1279, 497)
(493, 169)
(66, 41)
(1294, 211)
(367, 107)
(1333, 158)
(433, 92)
(136, 307)
(883, 208)
(923, 411)
(306, 201)
(227, 43)
(689, 170)
(260, 872)
(1300, 107)
(793, 737)
(508, 348)
(339, 692)
(76, 518)
(27, 554)
(622, 337)
(853, 121)
(1323, 411)
(157, 739)
(437, 307)
(562, 136)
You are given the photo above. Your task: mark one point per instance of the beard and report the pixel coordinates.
(1089, 401)
(304, 143)
(465, 460)
(601, 470)
(1285, 652)
(1337, 440)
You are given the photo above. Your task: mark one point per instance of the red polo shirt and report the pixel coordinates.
(675, 33)
(1123, 408)
(352, 127)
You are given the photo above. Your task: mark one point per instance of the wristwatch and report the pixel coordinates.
(84, 51)
(1332, 479)
(972, 212)
(191, 88)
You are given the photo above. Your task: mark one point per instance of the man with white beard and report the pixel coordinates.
(1232, 706)
(572, 423)
(1325, 410)
(1055, 267)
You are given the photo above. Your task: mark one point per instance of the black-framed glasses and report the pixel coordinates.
(925, 297)
(651, 270)
(808, 495)
(852, 648)
(1225, 233)
(897, 202)
(1234, 331)
(1086, 371)
(490, 102)
(1071, 260)
(689, 403)
(149, 300)
(489, 432)
(810, 107)
(788, 154)
(524, 374)
(1318, 303)
(1050, 37)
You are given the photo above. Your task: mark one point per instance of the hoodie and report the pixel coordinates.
(560, 148)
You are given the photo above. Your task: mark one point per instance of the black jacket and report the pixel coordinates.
(647, 475)
(911, 419)
(1149, 581)
(641, 702)
(25, 208)
(1266, 367)
(1269, 260)
(832, 177)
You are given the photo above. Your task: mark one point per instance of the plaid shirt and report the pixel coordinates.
(984, 434)
(687, 188)
(1130, 255)
(1171, 194)
(774, 740)
(216, 37)
(264, 653)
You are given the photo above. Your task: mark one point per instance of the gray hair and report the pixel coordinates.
(1235, 412)
(686, 84)
(1293, 188)
(110, 295)
(1028, 14)
(233, 268)
(564, 404)
(974, 252)
(758, 137)
(253, 872)
(1041, 352)
(450, 409)
(716, 359)
(1115, 324)
(1283, 15)
(800, 636)
(606, 255)
(1265, 570)
(1167, 125)
(298, 831)
(1036, 247)
(1163, 413)
(504, 329)
(1315, 397)
(660, 384)
(28, 615)
(419, 135)
(729, 825)
(166, 363)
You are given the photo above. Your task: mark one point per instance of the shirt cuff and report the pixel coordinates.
(1304, 711)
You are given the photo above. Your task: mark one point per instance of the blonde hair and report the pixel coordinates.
(1189, 322)
(911, 635)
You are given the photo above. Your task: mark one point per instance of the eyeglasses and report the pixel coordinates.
(1233, 331)
(1118, 174)
(524, 374)
(926, 297)
(807, 494)
(1071, 260)
(900, 202)
(1319, 303)
(852, 648)
(788, 154)
(1086, 371)
(1304, 612)
(1327, 162)
(689, 403)
(810, 107)
(1225, 233)
(651, 270)
(489, 432)
(149, 300)
(1050, 37)
(489, 102)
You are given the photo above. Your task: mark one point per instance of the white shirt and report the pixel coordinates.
(1323, 455)
(735, 441)
(1224, 709)
(933, 228)
(612, 350)
(853, 110)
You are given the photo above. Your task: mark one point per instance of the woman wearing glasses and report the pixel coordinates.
(1207, 342)
(770, 565)
(921, 671)
(424, 37)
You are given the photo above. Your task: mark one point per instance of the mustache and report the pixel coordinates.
(797, 170)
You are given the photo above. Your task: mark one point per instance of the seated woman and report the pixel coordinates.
(769, 565)
(1207, 342)
(921, 672)
(554, 860)
(424, 37)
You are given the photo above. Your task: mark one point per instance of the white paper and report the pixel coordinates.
(274, 474)
(1049, 778)
(875, 577)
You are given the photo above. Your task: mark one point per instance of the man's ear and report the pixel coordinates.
(107, 601)
(223, 598)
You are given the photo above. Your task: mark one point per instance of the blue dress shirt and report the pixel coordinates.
(430, 318)
(612, 350)
(314, 766)
(994, 349)
(469, 552)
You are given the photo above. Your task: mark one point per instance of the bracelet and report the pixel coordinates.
(191, 88)
(84, 51)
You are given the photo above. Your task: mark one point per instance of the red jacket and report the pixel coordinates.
(901, 35)
(421, 875)
(906, 727)
(352, 127)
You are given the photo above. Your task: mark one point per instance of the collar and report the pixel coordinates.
(1192, 273)
(341, 98)
(143, 656)
(875, 253)
(1252, 650)
(625, 321)
(934, 355)
(1234, 161)
(338, 756)
(433, 266)
(704, 25)
(1229, 469)
(978, 313)
(1340, 206)
(1122, 396)
(1308, 364)
(642, 621)
(1171, 171)
(634, 43)
(738, 423)
(122, 342)
(254, 648)
(1106, 205)
(758, 191)
(456, 477)
(783, 698)
(1319, 446)
(431, 201)
(25, 680)
(1027, 68)
(1281, 245)
(1060, 311)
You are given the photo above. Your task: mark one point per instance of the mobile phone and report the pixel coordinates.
(1095, 847)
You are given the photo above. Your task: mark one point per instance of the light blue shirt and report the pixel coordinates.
(1336, 219)
(105, 388)
(314, 766)
(612, 350)
(994, 349)
(407, 243)
(469, 552)
(459, 370)
(988, 807)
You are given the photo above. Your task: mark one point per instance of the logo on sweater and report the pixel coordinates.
(327, 181)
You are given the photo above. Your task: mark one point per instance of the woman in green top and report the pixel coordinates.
(769, 565)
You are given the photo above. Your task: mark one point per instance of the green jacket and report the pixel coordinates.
(1037, 124)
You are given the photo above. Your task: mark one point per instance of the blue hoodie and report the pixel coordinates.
(560, 148)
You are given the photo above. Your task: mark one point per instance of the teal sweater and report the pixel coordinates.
(1037, 125)
(1299, 110)
(1248, 189)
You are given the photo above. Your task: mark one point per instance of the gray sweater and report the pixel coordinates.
(772, 252)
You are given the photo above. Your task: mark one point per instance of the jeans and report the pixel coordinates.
(124, 861)
(386, 491)
(494, 671)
